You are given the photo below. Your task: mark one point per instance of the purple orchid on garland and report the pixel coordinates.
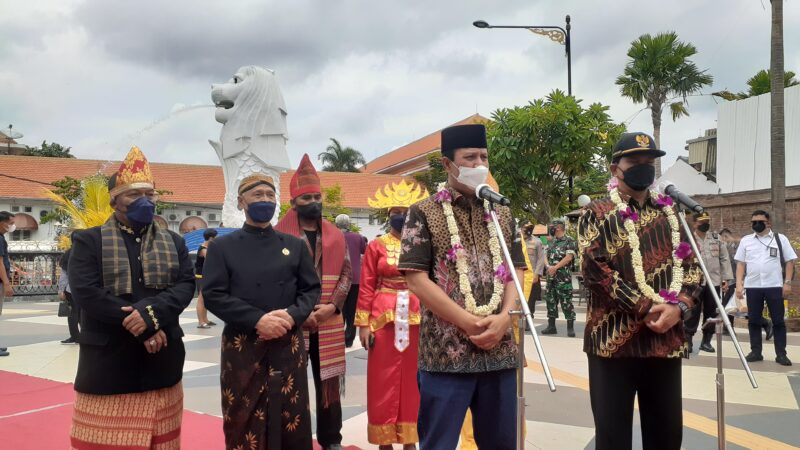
(443, 196)
(683, 251)
(487, 217)
(454, 251)
(613, 183)
(629, 213)
(670, 297)
(664, 201)
(503, 274)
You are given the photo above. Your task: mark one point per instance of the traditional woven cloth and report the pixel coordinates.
(133, 173)
(251, 181)
(143, 421)
(331, 333)
(159, 258)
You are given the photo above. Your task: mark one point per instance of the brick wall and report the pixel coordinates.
(733, 211)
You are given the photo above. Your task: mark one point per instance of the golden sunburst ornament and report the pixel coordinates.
(643, 140)
(400, 194)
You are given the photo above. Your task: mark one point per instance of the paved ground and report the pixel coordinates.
(765, 418)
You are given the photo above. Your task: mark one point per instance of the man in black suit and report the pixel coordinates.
(131, 279)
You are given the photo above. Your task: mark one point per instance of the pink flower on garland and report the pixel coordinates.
(503, 274)
(454, 252)
(669, 296)
(487, 217)
(629, 213)
(443, 196)
(683, 251)
(613, 182)
(664, 200)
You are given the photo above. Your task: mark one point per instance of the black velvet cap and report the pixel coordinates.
(462, 136)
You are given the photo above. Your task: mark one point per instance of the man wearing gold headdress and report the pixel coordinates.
(388, 319)
(131, 279)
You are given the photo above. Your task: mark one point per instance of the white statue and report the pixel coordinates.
(252, 112)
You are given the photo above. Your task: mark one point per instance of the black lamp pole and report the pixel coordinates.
(556, 34)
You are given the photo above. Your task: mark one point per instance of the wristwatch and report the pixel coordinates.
(685, 310)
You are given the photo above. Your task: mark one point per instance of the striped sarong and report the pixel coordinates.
(148, 420)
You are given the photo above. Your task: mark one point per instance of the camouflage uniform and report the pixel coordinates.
(559, 287)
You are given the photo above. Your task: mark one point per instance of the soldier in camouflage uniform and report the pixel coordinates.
(560, 255)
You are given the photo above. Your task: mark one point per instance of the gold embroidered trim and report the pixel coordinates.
(152, 314)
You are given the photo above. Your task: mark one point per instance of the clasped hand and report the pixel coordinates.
(319, 316)
(134, 322)
(487, 332)
(662, 317)
(274, 324)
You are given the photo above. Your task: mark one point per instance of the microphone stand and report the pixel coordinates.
(722, 318)
(524, 317)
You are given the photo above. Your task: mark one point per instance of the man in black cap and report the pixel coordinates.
(643, 281)
(453, 262)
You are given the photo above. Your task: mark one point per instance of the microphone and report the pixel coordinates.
(484, 191)
(668, 188)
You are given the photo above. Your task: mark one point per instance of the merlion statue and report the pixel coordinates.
(252, 112)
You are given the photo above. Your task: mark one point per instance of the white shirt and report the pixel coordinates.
(763, 270)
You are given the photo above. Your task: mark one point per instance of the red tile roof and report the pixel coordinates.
(26, 176)
(417, 148)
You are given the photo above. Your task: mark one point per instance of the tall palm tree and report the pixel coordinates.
(777, 124)
(336, 158)
(660, 74)
(760, 83)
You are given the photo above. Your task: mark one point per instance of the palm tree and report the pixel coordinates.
(760, 83)
(777, 124)
(659, 71)
(336, 158)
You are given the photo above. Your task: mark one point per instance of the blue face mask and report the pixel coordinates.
(261, 212)
(396, 221)
(141, 212)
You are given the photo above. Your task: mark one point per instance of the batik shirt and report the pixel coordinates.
(615, 326)
(425, 242)
(557, 250)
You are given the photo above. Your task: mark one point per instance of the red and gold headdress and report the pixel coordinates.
(133, 173)
(305, 180)
(400, 194)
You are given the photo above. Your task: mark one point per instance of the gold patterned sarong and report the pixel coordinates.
(148, 420)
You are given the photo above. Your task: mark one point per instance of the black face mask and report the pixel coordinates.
(311, 211)
(640, 176)
(552, 231)
(704, 227)
(759, 226)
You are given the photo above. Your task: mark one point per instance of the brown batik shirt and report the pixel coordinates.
(615, 326)
(443, 346)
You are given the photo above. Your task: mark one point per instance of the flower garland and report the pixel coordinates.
(457, 254)
(681, 250)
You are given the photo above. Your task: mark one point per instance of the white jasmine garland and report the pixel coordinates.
(636, 255)
(462, 267)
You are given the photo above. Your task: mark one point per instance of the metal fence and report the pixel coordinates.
(35, 273)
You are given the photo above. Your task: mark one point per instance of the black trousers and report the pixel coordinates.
(74, 318)
(707, 306)
(756, 297)
(350, 315)
(613, 384)
(536, 294)
(329, 420)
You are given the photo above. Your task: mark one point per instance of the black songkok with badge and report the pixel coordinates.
(630, 144)
(462, 136)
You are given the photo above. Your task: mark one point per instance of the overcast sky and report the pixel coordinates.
(102, 75)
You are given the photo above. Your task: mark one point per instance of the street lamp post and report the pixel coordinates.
(556, 34)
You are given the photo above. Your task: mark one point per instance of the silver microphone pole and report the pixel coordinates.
(722, 316)
(524, 317)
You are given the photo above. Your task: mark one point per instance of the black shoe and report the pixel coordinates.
(2, 349)
(211, 322)
(4, 353)
(69, 340)
(783, 360)
(571, 328)
(705, 344)
(754, 357)
(690, 344)
(551, 326)
(768, 329)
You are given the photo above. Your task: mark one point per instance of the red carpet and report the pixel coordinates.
(35, 414)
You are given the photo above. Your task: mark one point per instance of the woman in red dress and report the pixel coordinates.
(388, 319)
